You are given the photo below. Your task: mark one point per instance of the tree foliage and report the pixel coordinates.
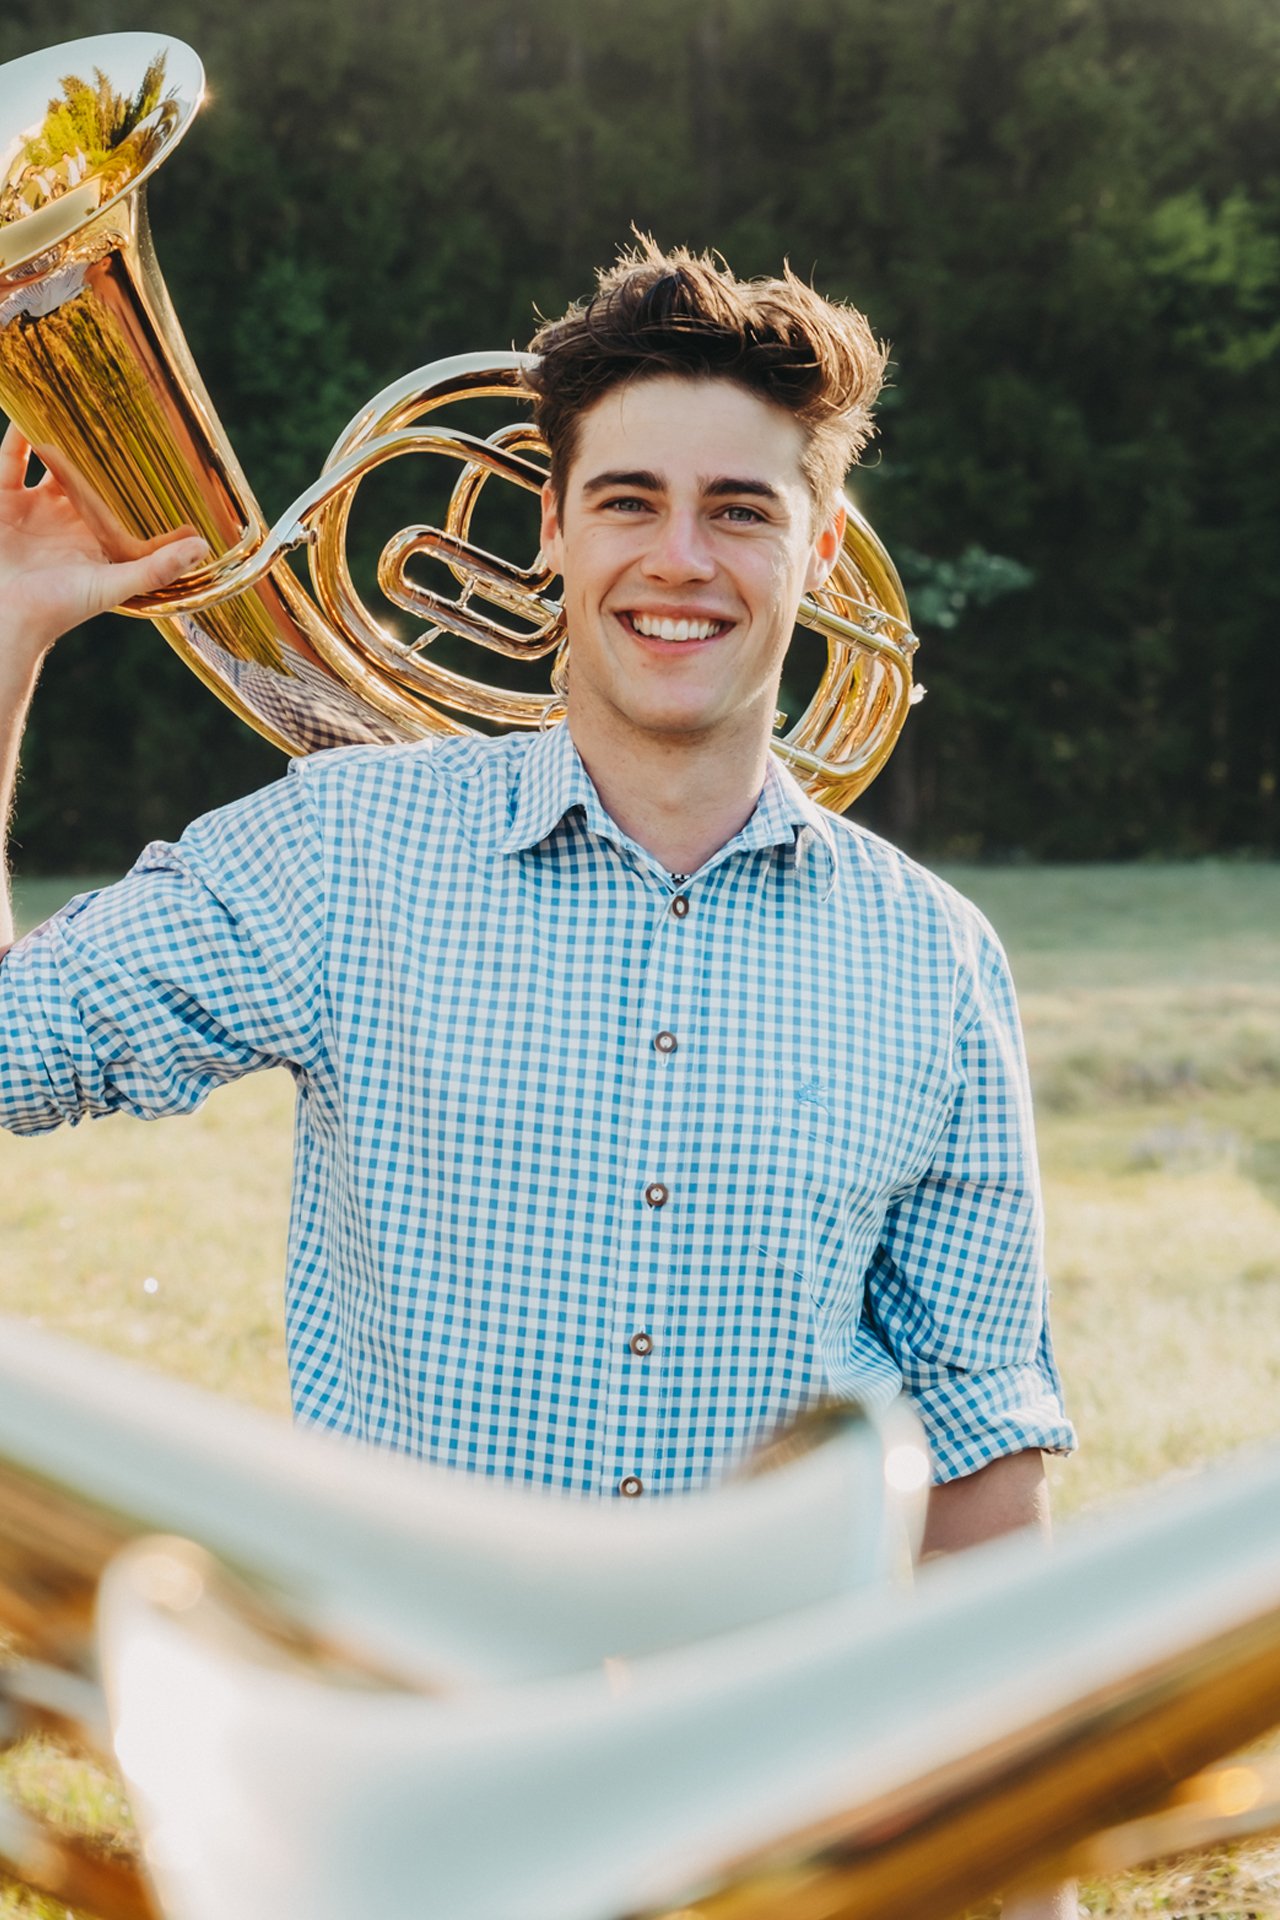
(1065, 216)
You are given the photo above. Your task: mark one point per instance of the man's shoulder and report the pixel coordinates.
(445, 761)
(887, 881)
(877, 863)
(459, 775)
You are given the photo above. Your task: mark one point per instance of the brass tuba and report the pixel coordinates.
(95, 372)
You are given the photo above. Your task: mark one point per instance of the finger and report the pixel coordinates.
(130, 578)
(51, 480)
(124, 546)
(15, 452)
(161, 540)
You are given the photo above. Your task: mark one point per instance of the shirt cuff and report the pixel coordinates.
(974, 1418)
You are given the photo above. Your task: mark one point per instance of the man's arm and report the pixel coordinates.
(999, 1498)
(238, 982)
(19, 671)
(53, 576)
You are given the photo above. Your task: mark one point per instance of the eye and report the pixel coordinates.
(625, 503)
(739, 515)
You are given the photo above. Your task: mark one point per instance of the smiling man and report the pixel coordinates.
(641, 1103)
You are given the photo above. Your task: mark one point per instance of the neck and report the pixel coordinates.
(681, 798)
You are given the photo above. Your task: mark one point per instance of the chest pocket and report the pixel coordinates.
(835, 1159)
(804, 1191)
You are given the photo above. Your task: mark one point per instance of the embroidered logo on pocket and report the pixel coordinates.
(808, 1105)
(815, 1094)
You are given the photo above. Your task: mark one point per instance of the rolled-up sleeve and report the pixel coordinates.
(957, 1293)
(202, 964)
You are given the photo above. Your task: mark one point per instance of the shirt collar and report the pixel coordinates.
(552, 780)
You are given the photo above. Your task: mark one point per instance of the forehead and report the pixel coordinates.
(689, 429)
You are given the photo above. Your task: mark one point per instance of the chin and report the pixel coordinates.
(674, 726)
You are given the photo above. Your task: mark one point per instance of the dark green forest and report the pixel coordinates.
(1063, 214)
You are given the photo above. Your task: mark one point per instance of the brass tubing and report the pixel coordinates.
(950, 1841)
(53, 1549)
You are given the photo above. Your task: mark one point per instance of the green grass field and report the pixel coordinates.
(1151, 997)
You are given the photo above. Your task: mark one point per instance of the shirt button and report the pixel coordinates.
(641, 1343)
(631, 1487)
(665, 1042)
(656, 1194)
(680, 905)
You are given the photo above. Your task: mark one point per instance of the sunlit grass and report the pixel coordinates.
(1084, 928)
(74, 1795)
(1152, 1003)
(69, 1790)
(163, 1241)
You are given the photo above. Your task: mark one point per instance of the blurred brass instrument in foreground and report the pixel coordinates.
(336, 1681)
(96, 373)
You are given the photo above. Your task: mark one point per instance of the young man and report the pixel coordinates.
(640, 1102)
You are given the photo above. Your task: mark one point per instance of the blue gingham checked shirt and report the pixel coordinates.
(599, 1175)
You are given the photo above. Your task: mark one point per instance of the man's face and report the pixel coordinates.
(685, 543)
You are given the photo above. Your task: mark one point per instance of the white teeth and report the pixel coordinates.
(654, 628)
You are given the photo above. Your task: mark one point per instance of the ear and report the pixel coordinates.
(826, 549)
(552, 550)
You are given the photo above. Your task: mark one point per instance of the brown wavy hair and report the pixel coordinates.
(686, 314)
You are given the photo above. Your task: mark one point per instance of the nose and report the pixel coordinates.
(679, 548)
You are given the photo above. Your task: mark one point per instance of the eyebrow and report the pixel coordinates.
(641, 480)
(645, 481)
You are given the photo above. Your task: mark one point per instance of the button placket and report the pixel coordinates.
(641, 1274)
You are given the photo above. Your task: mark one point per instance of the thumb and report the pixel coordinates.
(131, 578)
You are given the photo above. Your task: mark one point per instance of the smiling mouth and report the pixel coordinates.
(650, 626)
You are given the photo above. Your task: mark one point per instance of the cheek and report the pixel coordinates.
(784, 583)
(600, 557)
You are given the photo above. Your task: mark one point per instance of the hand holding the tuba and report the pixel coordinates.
(53, 571)
(53, 576)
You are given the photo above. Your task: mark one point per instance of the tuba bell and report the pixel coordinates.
(95, 372)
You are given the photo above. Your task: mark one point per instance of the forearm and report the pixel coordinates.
(20, 660)
(54, 575)
(1000, 1498)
